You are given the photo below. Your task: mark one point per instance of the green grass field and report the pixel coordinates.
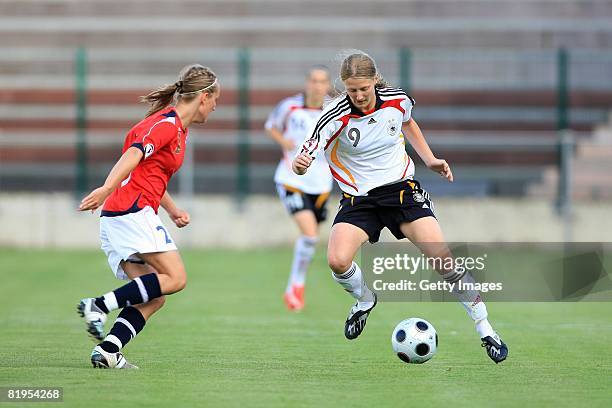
(227, 340)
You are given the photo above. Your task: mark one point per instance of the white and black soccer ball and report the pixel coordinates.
(414, 340)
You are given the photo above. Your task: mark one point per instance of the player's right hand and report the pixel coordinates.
(441, 167)
(95, 199)
(301, 163)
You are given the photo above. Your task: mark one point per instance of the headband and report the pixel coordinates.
(180, 86)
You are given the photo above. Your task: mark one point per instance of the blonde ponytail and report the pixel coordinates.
(193, 79)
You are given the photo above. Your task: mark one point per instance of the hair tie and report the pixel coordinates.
(178, 85)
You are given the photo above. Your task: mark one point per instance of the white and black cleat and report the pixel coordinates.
(496, 348)
(94, 318)
(356, 320)
(104, 359)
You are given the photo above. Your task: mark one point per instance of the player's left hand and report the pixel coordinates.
(441, 167)
(181, 218)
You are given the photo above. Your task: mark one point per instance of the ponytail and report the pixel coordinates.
(193, 80)
(160, 98)
(381, 82)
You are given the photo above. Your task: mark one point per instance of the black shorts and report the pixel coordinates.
(387, 206)
(296, 200)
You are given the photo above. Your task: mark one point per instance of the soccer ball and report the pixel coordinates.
(414, 340)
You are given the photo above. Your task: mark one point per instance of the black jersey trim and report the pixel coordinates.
(393, 94)
(387, 92)
(391, 90)
(139, 146)
(342, 106)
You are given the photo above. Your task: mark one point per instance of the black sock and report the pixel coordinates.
(128, 324)
(140, 290)
(101, 305)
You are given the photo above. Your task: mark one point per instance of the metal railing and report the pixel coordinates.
(248, 72)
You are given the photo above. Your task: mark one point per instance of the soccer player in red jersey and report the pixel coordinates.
(137, 244)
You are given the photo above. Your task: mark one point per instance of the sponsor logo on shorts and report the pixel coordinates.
(418, 197)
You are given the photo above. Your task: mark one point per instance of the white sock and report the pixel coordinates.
(485, 329)
(472, 302)
(114, 339)
(352, 281)
(302, 257)
(110, 301)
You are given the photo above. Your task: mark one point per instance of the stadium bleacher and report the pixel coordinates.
(486, 93)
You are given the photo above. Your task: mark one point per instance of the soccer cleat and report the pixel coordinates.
(292, 302)
(104, 359)
(356, 320)
(496, 348)
(94, 318)
(298, 292)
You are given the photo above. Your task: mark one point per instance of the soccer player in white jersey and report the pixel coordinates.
(304, 197)
(363, 134)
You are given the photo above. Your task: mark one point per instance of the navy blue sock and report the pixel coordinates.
(101, 305)
(140, 290)
(128, 324)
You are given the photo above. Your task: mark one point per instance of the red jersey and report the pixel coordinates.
(162, 139)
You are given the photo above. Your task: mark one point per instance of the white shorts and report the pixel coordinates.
(125, 236)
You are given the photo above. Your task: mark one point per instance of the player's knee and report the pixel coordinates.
(181, 282)
(339, 263)
(173, 282)
(178, 281)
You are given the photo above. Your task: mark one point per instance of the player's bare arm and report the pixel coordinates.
(181, 218)
(277, 136)
(415, 137)
(301, 163)
(128, 162)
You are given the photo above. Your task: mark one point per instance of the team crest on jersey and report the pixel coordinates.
(418, 197)
(148, 149)
(392, 127)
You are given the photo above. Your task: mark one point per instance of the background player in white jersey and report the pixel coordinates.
(304, 197)
(362, 133)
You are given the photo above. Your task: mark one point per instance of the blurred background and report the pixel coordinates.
(515, 94)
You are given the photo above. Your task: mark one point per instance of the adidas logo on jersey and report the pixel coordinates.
(372, 120)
